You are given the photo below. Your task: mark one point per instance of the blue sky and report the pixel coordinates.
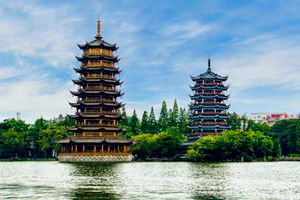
(162, 43)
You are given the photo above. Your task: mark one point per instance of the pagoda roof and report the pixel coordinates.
(84, 58)
(195, 106)
(209, 75)
(94, 128)
(202, 126)
(98, 140)
(112, 69)
(209, 87)
(212, 116)
(96, 92)
(100, 115)
(209, 96)
(82, 103)
(98, 80)
(98, 43)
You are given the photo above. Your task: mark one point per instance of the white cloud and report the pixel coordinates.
(187, 30)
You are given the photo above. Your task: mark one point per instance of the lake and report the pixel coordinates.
(150, 180)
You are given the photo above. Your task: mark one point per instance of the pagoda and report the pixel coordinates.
(208, 108)
(96, 131)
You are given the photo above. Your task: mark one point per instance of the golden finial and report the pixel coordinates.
(98, 28)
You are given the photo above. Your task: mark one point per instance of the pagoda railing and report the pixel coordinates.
(100, 88)
(208, 112)
(99, 76)
(210, 84)
(206, 133)
(100, 64)
(97, 101)
(209, 102)
(93, 153)
(207, 93)
(99, 125)
(210, 123)
(100, 112)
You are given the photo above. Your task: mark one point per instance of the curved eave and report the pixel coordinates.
(81, 128)
(209, 76)
(224, 97)
(223, 88)
(96, 104)
(209, 116)
(86, 58)
(84, 92)
(95, 116)
(91, 140)
(98, 43)
(95, 80)
(209, 127)
(111, 69)
(199, 106)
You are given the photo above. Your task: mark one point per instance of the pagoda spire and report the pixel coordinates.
(98, 36)
(209, 65)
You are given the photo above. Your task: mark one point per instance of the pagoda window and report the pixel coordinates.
(92, 122)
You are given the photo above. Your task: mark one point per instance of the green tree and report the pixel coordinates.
(152, 123)
(292, 137)
(145, 123)
(124, 122)
(298, 136)
(135, 125)
(163, 121)
(183, 122)
(234, 121)
(13, 144)
(174, 115)
(280, 131)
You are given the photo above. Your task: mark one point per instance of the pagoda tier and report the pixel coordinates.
(208, 108)
(96, 131)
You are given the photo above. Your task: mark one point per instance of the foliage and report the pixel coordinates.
(234, 145)
(18, 139)
(162, 145)
(163, 121)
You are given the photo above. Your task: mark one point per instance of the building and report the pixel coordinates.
(271, 118)
(208, 108)
(96, 131)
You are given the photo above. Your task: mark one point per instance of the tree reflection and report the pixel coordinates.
(94, 181)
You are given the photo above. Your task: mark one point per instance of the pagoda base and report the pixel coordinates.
(71, 158)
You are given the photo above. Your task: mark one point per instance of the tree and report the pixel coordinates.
(234, 121)
(163, 117)
(174, 115)
(183, 122)
(135, 126)
(145, 123)
(298, 136)
(152, 123)
(124, 121)
(13, 144)
(292, 137)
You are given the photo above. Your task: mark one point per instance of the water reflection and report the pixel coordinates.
(149, 180)
(94, 181)
(211, 179)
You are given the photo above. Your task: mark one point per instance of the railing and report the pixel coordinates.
(89, 88)
(99, 125)
(98, 101)
(93, 153)
(100, 112)
(223, 123)
(208, 113)
(204, 93)
(209, 102)
(219, 84)
(99, 76)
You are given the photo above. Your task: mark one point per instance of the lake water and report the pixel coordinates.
(150, 180)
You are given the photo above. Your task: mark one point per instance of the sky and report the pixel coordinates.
(161, 43)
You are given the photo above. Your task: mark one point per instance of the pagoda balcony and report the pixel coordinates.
(98, 53)
(206, 133)
(223, 123)
(98, 76)
(92, 153)
(96, 113)
(99, 64)
(99, 88)
(207, 93)
(210, 84)
(99, 125)
(97, 101)
(208, 112)
(209, 102)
